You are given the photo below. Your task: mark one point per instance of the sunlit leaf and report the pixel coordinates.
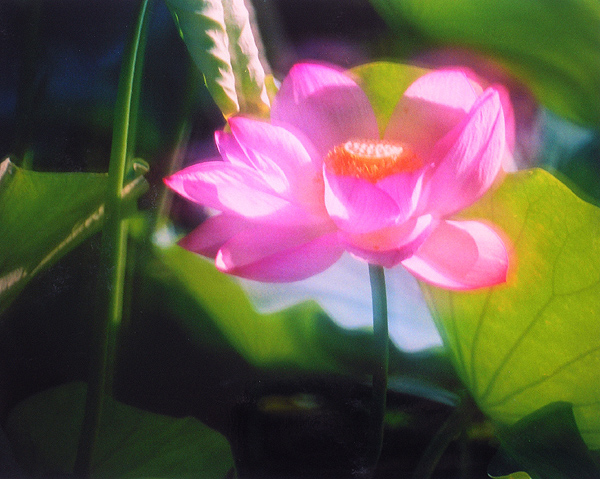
(384, 83)
(545, 444)
(44, 431)
(536, 339)
(220, 40)
(550, 45)
(45, 215)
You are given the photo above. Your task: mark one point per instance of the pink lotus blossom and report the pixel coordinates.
(318, 179)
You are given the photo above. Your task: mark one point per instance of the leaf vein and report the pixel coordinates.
(480, 321)
(580, 290)
(513, 349)
(461, 359)
(531, 324)
(545, 378)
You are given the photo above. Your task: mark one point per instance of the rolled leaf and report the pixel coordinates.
(245, 59)
(219, 37)
(201, 24)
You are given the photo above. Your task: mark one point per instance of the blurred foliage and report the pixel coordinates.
(44, 431)
(301, 338)
(552, 46)
(536, 339)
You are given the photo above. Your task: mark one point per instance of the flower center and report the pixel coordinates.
(371, 160)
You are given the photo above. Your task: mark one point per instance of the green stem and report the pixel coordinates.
(113, 253)
(380, 373)
(449, 431)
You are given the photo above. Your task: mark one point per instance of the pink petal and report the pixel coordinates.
(388, 246)
(430, 108)
(238, 154)
(269, 146)
(230, 149)
(405, 189)
(471, 155)
(509, 115)
(358, 206)
(280, 157)
(508, 160)
(223, 186)
(325, 105)
(215, 231)
(278, 254)
(236, 189)
(460, 255)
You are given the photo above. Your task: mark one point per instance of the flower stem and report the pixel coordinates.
(380, 373)
(111, 276)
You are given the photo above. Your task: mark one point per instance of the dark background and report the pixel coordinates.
(60, 64)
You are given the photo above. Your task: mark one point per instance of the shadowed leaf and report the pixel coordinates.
(45, 215)
(44, 431)
(546, 444)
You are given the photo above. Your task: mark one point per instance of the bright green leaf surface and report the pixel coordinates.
(384, 83)
(44, 431)
(546, 444)
(43, 216)
(550, 45)
(536, 339)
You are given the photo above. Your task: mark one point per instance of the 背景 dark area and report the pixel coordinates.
(60, 62)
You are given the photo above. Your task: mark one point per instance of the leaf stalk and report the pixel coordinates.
(111, 276)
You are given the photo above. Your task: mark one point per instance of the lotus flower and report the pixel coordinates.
(317, 180)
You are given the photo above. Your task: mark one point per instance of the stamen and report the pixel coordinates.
(372, 160)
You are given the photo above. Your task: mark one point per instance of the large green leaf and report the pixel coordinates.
(45, 215)
(536, 339)
(550, 45)
(44, 431)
